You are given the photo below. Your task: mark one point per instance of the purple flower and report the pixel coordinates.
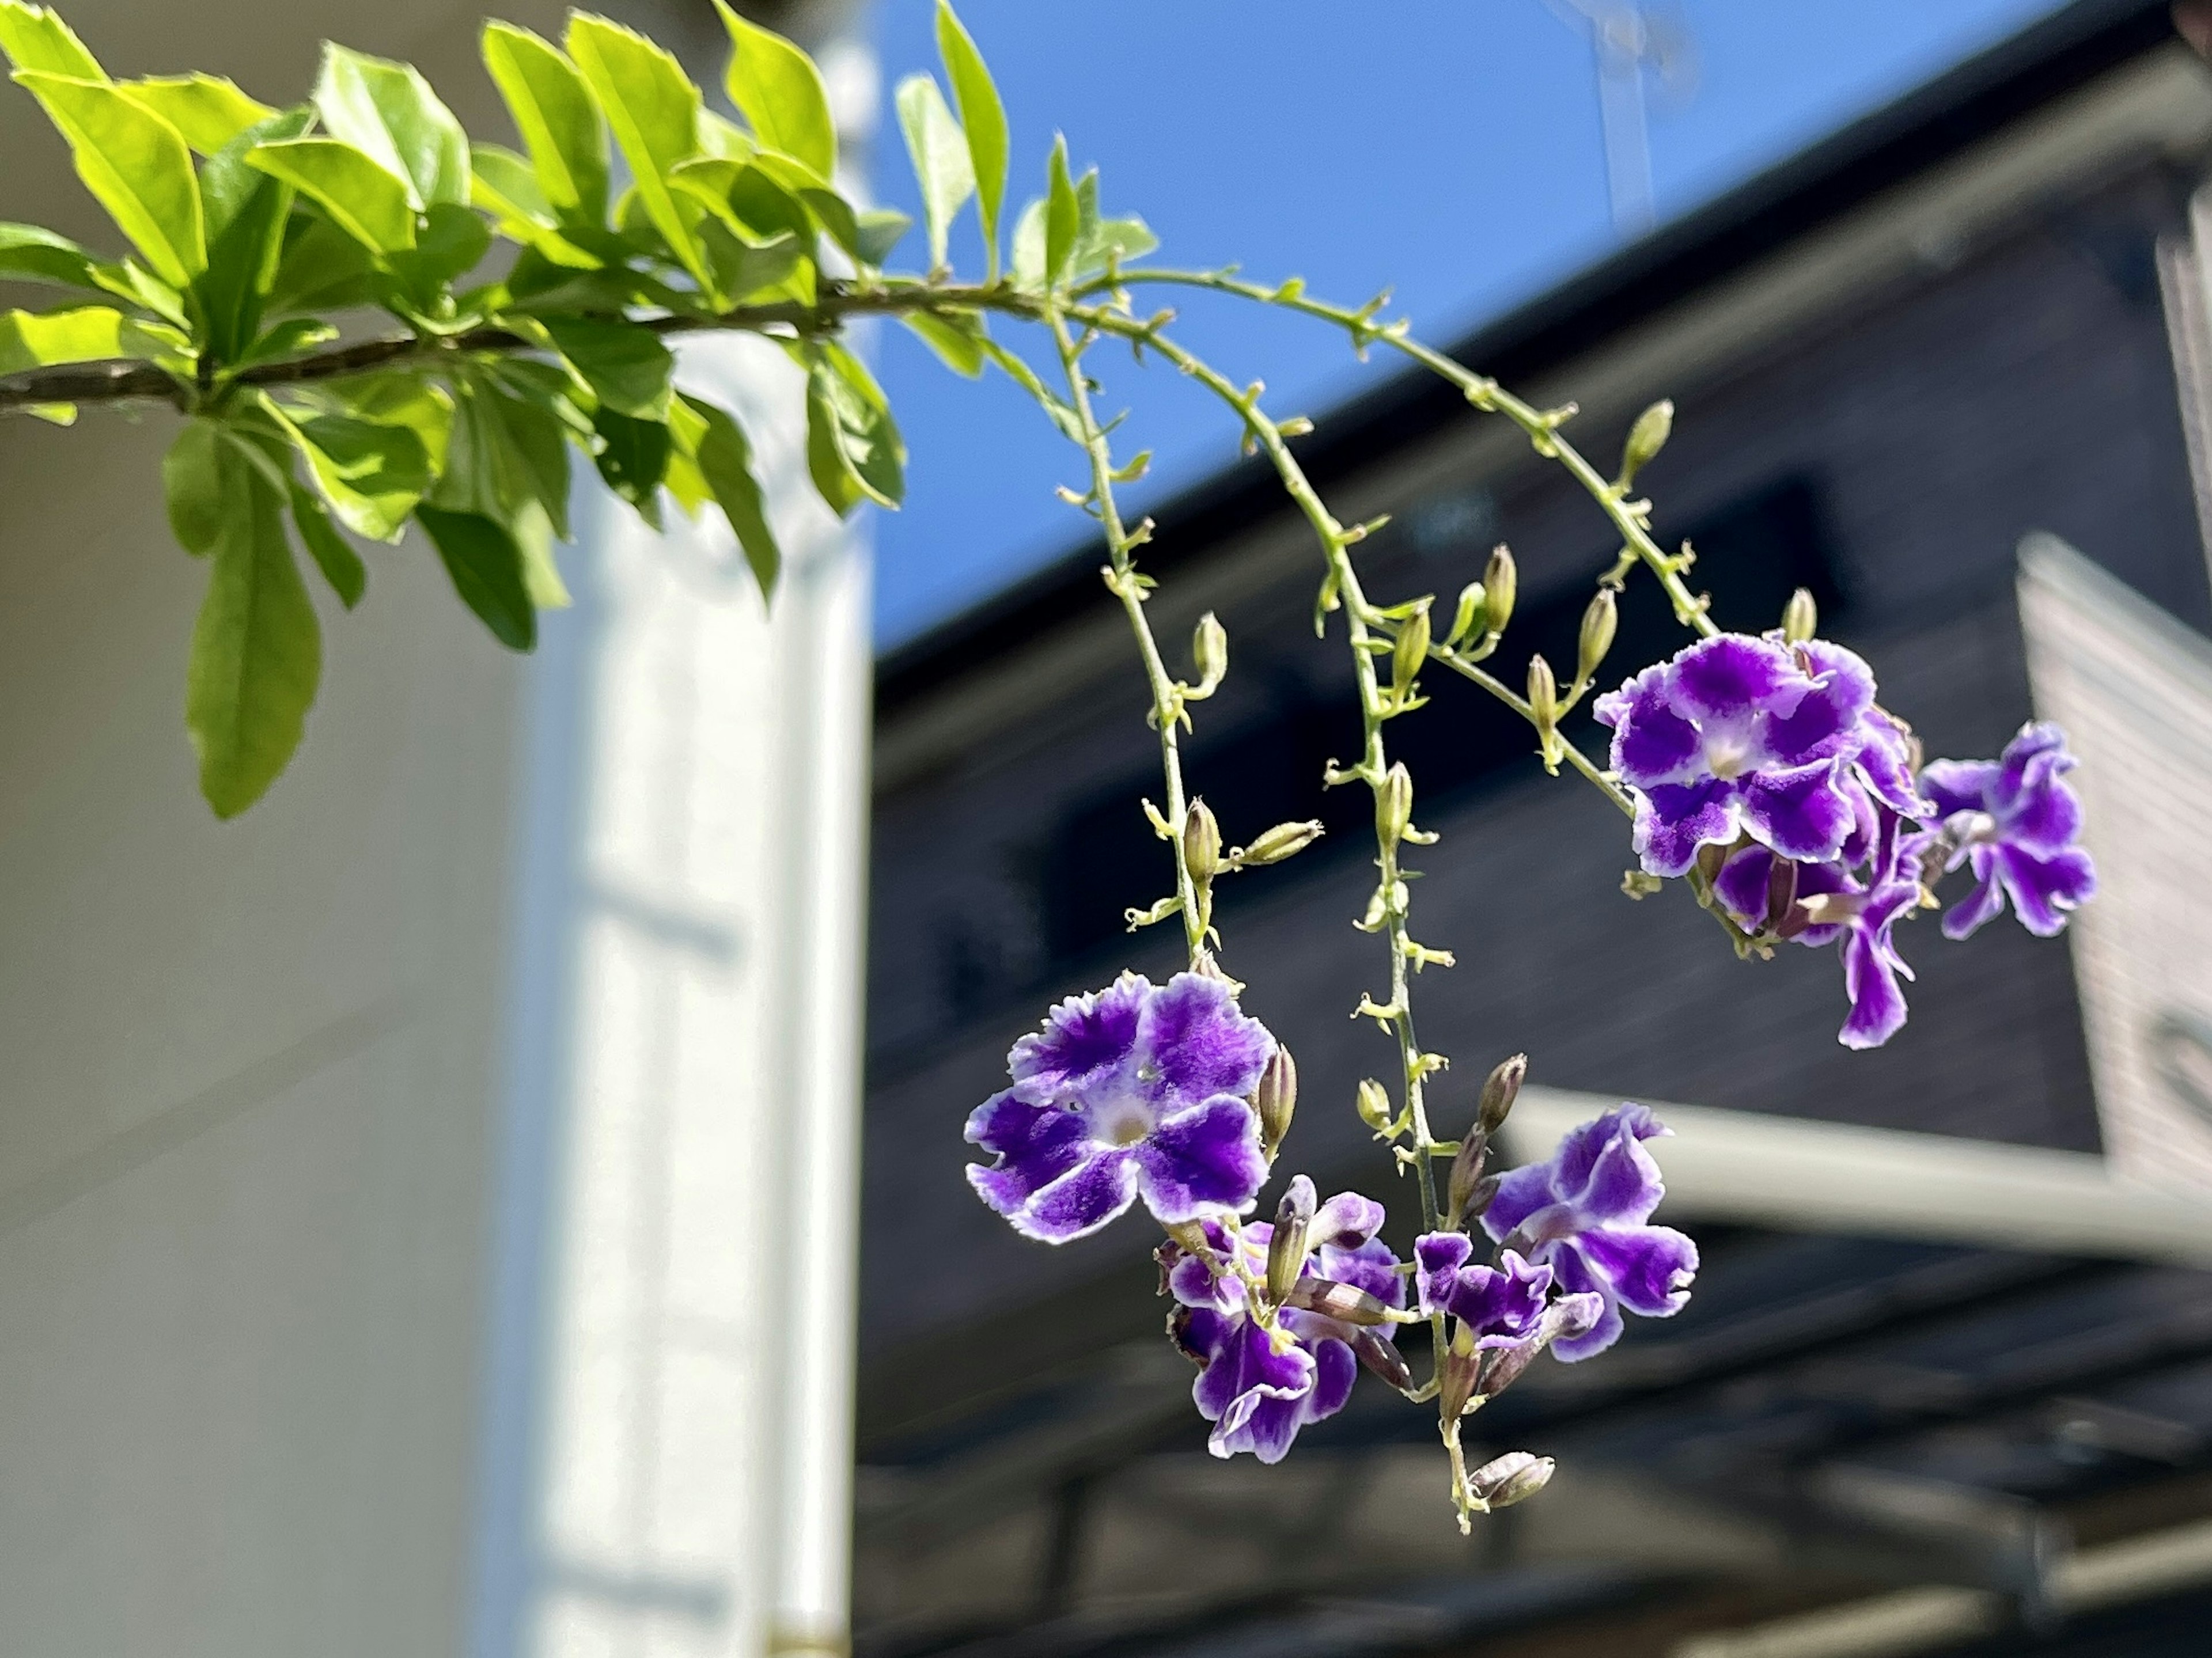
(1132, 1091)
(1583, 1214)
(1501, 1306)
(1827, 903)
(1259, 1387)
(2017, 820)
(1741, 736)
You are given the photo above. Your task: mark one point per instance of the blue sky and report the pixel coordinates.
(1448, 149)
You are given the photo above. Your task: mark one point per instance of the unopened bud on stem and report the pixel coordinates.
(1468, 620)
(1801, 617)
(1209, 649)
(1499, 1090)
(1286, 1249)
(1455, 1385)
(1274, 845)
(1393, 804)
(1201, 844)
(1500, 580)
(1411, 651)
(1277, 1100)
(1374, 1105)
(1600, 623)
(1466, 1174)
(1645, 440)
(1510, 1479)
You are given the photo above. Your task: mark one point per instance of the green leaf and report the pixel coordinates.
(363, 199)
(724, 139)
(942, 164)
(1054, 406)
(256, 653)
(504, 184)
(1028, 245)
(451, 242)
(1114, 240)
(854, 450)
(486, 567)
(394, 398)
(509, 446)
(745, 273)
(625, 364)
(137, 166)
(90, 333)
(958, 340)
(192, 482)
(372, 474)
(983, 117)
(292, 338)
(633, 458)
(340, 565)
(207, 109)
(654, 109)
(725, 459)
(36, 37)
(388, 112)
(780, 93)
(246, 209)
(28, 253)
(1063, 213)
(320, 268)
(877, 231)
(559, 123)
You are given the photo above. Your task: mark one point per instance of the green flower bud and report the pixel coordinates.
(1600, 623)
(1500, 582)
(1411, 651)
(1277, 1099)
(1274, 845)
(1543, 695)
(1646, 439)
(1201, 844)
(1209, 649)
(1801, 617)
(1286, 1249)
(1393, 803)
(1467, 621)
(1375, 1106)
(1456, 1383)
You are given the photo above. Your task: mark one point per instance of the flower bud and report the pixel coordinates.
(1286, 1249)
(1380, 1355)
(1277, 1099)
(1393, 804)
(1411, 651)
(1374, 1105)
(1201, 844)
(1499, 1090)
(1455, 1385)
(1342, 1302)
(1646, 439)
(1801, 617)
(1513, 1478)
(1600, 623)
(1466, 1171)
(1543, 693)
(1468, 620)
(1274, 845)
(1500, 580)
(1209, 649)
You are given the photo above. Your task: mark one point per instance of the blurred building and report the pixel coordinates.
(1947, 1381)
(390, 1180)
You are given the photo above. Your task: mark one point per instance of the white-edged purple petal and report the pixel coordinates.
(1742, 886)
(1035, 1145)
(1651, 744)
(1672, 820)
(1623, 1186)
(1719, 677)
(1826, 722)
(1371, 1266)
(1870, 969)
(1522, 1194)
(1347, 1221)
(1800, 812)
(1649, 1268)
(1957, 785)
(1437, 1257)
(1575, 1276)
(1192, 1042)
(2044, 889)
(1201, 1161)
(1087, 1042)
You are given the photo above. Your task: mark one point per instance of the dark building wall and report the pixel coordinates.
(1911, 436)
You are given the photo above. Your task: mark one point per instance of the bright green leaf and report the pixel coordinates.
(136, 165)
(36, 37)
(983, 117)
(724, 139)
(192, 482)
(30, 254)
(369, 203)
(942, 164)
(371, 474)
(558, 121)
(292, 338)
(876, 232)
(208, 110)
(633, 458)
(626, 364)
(388, 112)
(654, 109)
(509, 445)
(90, 333)
(246, 209)
(256, 653)
(780, 93)
(957, 340)
(854, 450)
(321, 267)
(486, 567)
(1028, 245)
(725, 459)
(340, 565)
(504, 184)
(451, 242)
(1063, 213)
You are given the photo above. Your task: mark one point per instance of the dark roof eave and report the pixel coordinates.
(1925, 128)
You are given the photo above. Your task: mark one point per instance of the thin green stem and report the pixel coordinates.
(1123, 580)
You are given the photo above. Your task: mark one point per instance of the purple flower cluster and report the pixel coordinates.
(1258, 1385)
(1776, 757)
(1135, 1090)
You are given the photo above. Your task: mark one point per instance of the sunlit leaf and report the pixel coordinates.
(626, 364)
(371, 473)
(136, 165)
(340, 565)
(654, 109)
(780, 92)
(28, 253)
(363, 198)
(90, 333)
(633, 458)
(724, 460)
(388, 112)
(854, 450)
(559, 123)
(192, 485)
(207, 109)
(981, 115)
(485, 564)
(246, 209)
(36, 37)
(942, 164)
(1063, 214)
(958, 340)
(257, 655)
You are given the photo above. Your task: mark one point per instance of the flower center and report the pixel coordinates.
(1727, 754)
(1128, 1130)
